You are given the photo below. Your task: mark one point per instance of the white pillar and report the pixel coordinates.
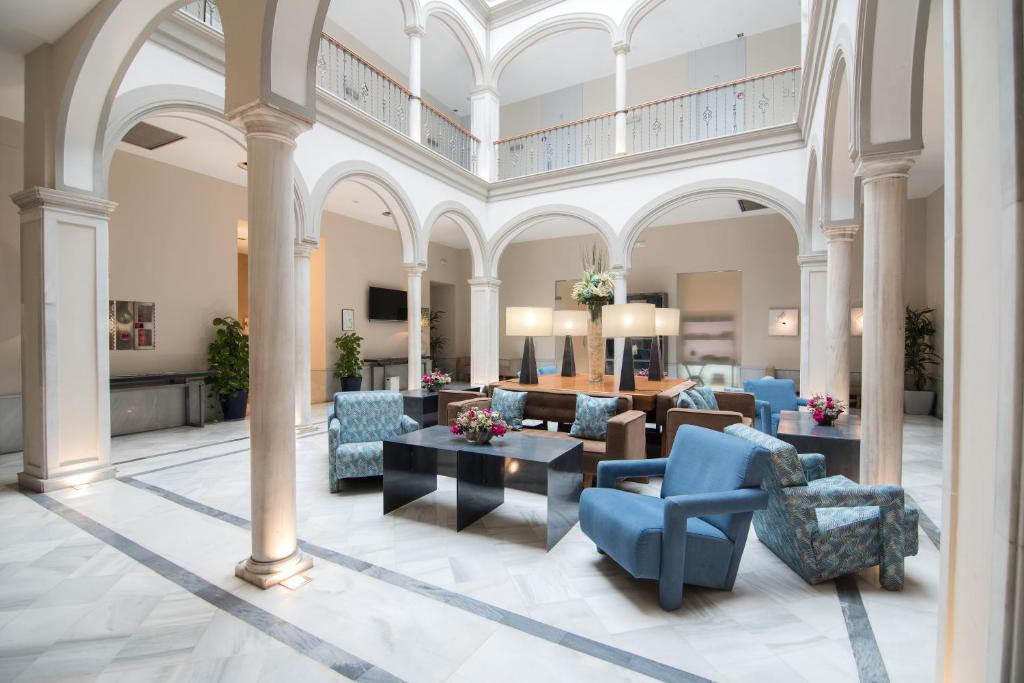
(620, 98)
(270, 140)
(414, 298)
(881, 413)
(837, 317)
(813, 307)
(65, 366)
(483, 320)
(619, 276)
(415, 34)
(486, 126)
(303, 361)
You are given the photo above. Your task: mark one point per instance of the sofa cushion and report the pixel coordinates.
(359, 460)
(510, 405)
(785, 463)
(683, 400)
(698, 400)
(367, 415)
(708, 394)
(592, 415)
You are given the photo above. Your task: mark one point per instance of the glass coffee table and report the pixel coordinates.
(552, 466)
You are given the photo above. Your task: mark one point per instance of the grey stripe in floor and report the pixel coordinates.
(587, 646)
(927, 524)
(300, 640)
(870, 666)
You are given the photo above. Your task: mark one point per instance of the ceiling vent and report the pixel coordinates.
(150, 137)
(748, 205)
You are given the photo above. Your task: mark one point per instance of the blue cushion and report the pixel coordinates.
(683, 400)
(697, 399)
(628, 527)
(546, 370)
(708, 394)
(780, 393)
(592, 415)
(510, 405)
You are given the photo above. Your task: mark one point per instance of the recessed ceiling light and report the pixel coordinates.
(244, 165)
(355, 201)
(640, 244)
(386, 213)
(150, 137)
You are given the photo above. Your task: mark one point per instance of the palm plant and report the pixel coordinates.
(918, 351)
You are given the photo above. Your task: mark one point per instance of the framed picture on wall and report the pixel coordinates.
(783, 322)
(348, 320)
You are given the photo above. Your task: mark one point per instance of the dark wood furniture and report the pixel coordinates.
(644, 396)
(422, 405)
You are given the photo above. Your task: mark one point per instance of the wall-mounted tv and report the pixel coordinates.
(388, 304)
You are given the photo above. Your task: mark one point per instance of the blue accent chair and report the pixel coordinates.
(357, 425)
(695, 531)
(780, 394)
(546, 370)
(824, 527)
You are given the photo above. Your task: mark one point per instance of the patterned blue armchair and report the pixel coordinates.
(824, 527)
(779, 394)
(357, 425)
(695, 531)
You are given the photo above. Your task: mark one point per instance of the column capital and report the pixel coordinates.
(416, 269)
(877, 167)
(77, 202)
(305, 249)
(840, 233)
(815, 260)
(620, 48)
(415, 31)
(484, 282)
(482, 90)
(618, 271)
(262, 120)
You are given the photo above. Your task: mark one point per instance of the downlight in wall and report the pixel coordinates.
(244, 165)
(148, 136)
(749, 205)
(386, 214)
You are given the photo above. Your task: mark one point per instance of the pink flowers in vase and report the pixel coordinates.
(479, 425)
(643, 372)
(435, 380)
(825, 408)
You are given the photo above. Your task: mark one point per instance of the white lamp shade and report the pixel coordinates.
(666, 322)
(528, 321)
(573, 323)
(628, 320)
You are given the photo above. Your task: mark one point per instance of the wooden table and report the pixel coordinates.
(644, 396)
(839, 443)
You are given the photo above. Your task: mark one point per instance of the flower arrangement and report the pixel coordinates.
(597, 287)
(479, 425)
(825, 409)
(435, 380)
(643, 372)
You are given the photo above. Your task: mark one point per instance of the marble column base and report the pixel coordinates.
(40, 485)
(267, 574)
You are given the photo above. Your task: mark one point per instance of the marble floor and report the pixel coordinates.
(132, 579)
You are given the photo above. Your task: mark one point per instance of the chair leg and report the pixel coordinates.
(670, 593)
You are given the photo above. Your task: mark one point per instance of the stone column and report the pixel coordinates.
(270, 139)
(881, 413)
(65, 336)
(837, 316)
(415, 103)
(303, 362)
(486, 126)
(414, 297)
(813, 311)
(620, 98)
(619, 276)
(483, 319)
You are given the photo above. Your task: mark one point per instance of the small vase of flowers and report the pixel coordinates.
(436, 380)
(825, 409)
(643, 372)
(479, 425)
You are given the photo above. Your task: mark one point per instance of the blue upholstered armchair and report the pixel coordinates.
(695, 531)
(779, 394)
(824, 527)
(357, 425)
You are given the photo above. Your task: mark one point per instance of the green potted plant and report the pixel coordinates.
(228, 358)
(349, 366)
(437, 340)
(918, 358)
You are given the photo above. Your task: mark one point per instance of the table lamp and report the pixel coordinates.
(666, 324)
(571, 324)
(529, 322)
(627, 320)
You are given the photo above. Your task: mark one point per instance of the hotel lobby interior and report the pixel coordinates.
(511, 340)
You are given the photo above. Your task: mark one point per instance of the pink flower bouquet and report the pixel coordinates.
(436, 380)
(478, 425)
(825, 409)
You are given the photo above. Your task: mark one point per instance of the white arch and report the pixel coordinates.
(546, 29)
(458, 27)
(839, 78)
(812, 200)
(465, 219)
(734, 188)
(528, 219)
(380, 182)
(634, 15)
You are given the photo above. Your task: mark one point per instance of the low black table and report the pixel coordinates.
(411, 464)
(421, 405)
(839, 443)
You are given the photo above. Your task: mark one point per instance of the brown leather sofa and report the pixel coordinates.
(448, 396)
(734, 407)
(625, 440)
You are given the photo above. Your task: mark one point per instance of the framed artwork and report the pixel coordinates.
(783, 322)
(857, 322)
(348, 320)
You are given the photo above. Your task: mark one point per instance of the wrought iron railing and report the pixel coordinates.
(749, 104)
(447, 138)
(206, 12)
(548, 149)
(346, 75)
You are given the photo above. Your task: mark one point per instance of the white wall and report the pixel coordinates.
(10, 259)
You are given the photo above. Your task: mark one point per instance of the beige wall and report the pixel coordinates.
(10, 263)
(243, 287)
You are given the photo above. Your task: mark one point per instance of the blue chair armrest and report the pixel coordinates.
(717, 503)
(333, 434)
(763, 409)
(611, 470)
(409, 424)
(801, 401)
(814, 465)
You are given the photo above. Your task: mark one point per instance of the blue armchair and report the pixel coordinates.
(824, 527)
(779, 394)
(357, 425)
(695, 531)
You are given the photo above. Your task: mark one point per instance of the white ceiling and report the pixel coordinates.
(27, 24)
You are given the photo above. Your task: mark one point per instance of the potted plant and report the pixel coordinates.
(437, 340)
(918, 357)
(349, 366)
(228, 358)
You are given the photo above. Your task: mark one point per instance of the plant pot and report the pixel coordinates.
(233, 405)
(595, 350)
(479, 437)
(351, 383)
(918, 402)
(826, 421)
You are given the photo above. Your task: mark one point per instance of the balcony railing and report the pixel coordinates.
(351, 78)
(447, 138)
(206, 12)
(569, 144)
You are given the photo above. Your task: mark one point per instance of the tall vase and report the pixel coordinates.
(595, 349)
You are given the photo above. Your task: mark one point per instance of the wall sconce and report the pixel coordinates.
(783, 322)
(857, 322)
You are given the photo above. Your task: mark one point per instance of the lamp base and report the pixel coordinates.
(568, 359)
(528, 368)
(654, 373)
(627, 379)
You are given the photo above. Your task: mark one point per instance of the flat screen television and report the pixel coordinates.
(388, 304)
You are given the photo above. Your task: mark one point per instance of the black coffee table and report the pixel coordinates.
(839, 443)
(412, 461)
(421, 405)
